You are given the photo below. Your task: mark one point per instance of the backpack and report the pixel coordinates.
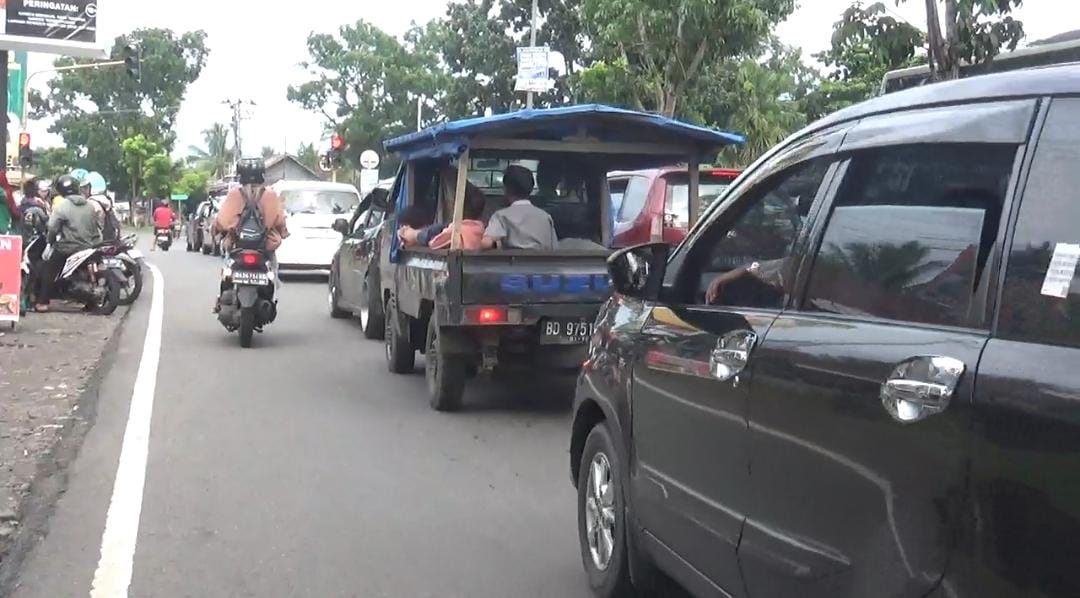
(110, 230)
(251, 230)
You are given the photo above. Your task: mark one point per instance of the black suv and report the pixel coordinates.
(860, 374)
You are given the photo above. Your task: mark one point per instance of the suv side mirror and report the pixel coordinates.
(638, 271)
(341, 225)
(380, 199)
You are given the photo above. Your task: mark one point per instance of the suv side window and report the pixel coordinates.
(910, 232)
(1040, 305)
(634, 199)
(763, 234)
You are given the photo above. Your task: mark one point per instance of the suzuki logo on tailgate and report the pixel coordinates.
(553, 284)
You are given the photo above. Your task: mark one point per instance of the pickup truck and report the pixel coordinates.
(472, 312)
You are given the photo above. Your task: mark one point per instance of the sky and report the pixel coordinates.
(256, 47)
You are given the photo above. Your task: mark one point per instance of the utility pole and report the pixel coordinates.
(238, 115)
(532, 44)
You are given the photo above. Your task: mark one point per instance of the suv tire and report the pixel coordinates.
(602, 533)
(400, 355)
(374, 325)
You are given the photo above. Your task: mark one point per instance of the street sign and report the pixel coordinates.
(532, 73)
(179, 197)
(69, 27)
(369, 179)
(369, 159)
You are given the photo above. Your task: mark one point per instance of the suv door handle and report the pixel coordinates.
(922, 386)
(732, 354)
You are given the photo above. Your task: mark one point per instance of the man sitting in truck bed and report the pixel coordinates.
(521, 225)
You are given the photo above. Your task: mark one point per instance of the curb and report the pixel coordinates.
(50, 476)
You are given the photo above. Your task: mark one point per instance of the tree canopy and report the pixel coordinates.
(96, 109)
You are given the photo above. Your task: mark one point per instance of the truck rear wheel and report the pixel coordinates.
(400, 355)
(445, 374)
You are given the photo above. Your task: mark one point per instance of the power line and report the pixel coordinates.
(239, 114)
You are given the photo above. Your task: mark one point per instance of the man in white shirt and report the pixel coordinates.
(521, 225)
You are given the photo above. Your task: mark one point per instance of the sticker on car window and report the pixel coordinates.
(1059, 275)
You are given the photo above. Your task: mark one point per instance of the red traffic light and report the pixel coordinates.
(24, 139)
(337, 142)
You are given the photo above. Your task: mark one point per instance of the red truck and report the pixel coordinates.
(651, 205)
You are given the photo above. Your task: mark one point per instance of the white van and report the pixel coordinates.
(311, 207)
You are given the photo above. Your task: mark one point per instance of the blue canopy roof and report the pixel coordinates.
(605, 123)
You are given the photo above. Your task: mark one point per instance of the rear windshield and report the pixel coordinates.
(312, 201)
(710, 187)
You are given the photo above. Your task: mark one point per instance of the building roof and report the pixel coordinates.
(278, 158)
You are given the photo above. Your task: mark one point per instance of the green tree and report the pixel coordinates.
(367, 83)
(195, 184)
(307, 155)
(267, 152)
(96, 109)
(975, 32)
(216, 155)
(55, 161)
(159, 173)
(866, 43)
(135, 152)
(662, 46)
(761, 97)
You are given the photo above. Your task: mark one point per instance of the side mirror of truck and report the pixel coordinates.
(341, 225)
(638, 271)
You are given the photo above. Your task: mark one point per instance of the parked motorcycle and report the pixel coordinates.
(246, 302)
(89, 276)
(163, 237)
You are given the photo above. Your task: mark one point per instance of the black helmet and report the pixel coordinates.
(250, 171)
(67, 185)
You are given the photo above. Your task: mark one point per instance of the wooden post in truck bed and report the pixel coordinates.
(459, 199)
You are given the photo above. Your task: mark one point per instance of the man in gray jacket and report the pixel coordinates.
(73, 226)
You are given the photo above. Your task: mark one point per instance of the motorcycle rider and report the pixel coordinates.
(73, 226)
(250, 173)
(163, 220)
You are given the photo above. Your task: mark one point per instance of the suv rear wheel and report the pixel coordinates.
(400, 355)
(602, 516)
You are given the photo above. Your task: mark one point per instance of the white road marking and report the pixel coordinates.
(113, 574)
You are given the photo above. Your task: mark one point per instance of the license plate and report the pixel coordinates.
(565, 331)
(246, 277)
(135, 254)
(112, 262)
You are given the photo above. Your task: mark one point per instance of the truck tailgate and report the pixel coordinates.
(519, 277)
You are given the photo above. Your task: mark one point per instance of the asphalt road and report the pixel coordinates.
(303, 468)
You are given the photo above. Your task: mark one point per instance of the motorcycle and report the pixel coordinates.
(163, 238)
(246, 302)
(89, 276)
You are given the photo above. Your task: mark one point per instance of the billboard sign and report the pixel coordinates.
(68, 27)
(532, 69)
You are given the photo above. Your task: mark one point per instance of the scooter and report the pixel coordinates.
(89, 276)
(163, 238)
(246, 302)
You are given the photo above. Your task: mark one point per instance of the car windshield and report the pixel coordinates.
(312, 201)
